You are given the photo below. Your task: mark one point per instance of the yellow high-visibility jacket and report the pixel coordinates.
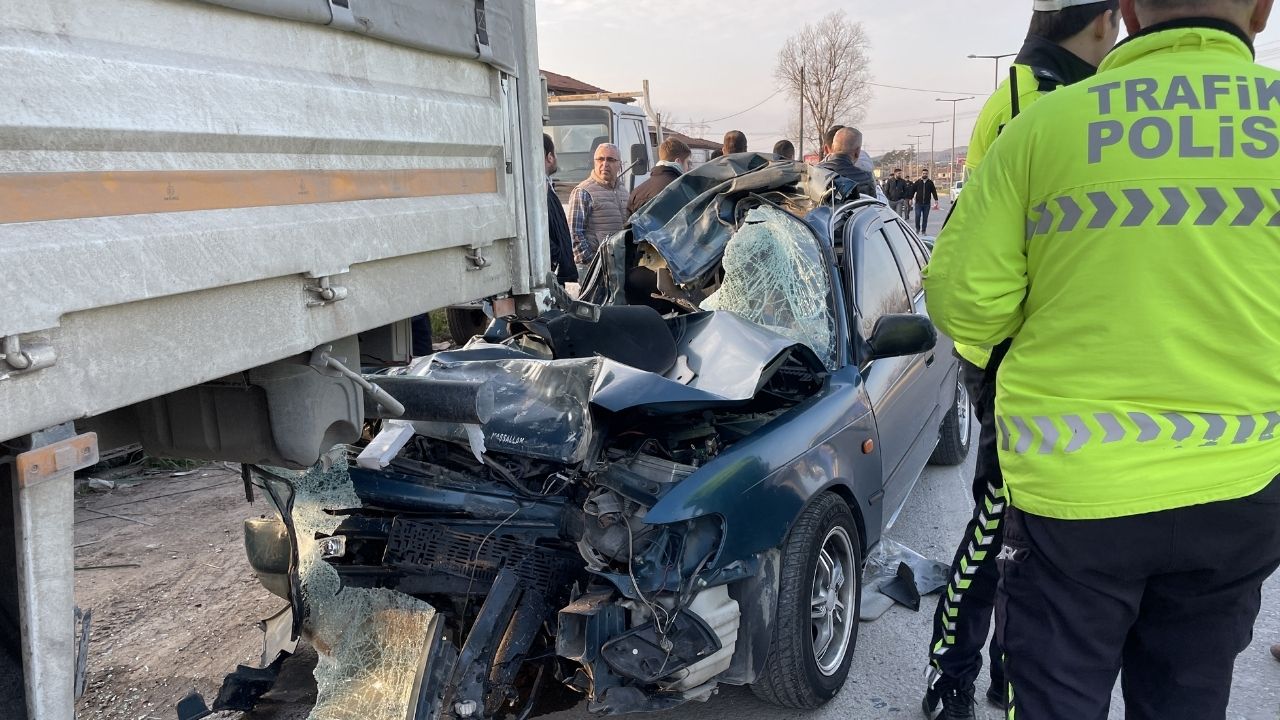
(1125, 232)
(997, 111)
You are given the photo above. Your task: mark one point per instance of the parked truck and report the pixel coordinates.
(212, 214)
(578, 124)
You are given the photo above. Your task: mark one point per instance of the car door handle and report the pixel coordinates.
(928, 362)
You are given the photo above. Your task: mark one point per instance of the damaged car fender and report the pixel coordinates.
(761, 485)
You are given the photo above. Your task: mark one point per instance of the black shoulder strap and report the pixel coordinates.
(1048, 79)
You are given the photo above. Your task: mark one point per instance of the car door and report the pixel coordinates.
(631, 133)
(901, 395)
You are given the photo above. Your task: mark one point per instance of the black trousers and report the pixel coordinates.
(1166, 600)
(962, 619)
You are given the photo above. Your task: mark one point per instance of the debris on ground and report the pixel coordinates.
(896, 573)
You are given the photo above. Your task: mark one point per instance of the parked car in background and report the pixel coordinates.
(955, 190)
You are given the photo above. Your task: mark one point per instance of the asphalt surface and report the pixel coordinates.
(887, 679)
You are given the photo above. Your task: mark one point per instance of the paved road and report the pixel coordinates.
(935, 216)
(888, 666)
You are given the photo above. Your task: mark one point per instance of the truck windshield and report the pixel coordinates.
(577, 132)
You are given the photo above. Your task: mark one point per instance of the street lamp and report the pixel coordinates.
(917, 137)
(997, 58)
(953, 133)
(933, 134)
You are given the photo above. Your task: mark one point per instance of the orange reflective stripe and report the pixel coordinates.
(29, 197)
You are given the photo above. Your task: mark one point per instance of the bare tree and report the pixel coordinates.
(834, 54)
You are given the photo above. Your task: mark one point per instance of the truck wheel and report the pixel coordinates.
(465, 323)
(953, 437)
(819, 599)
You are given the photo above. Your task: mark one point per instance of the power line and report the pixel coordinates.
(924, 90)
(889, 124)
(729, 117)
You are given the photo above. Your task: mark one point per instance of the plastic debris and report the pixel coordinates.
(885, 568)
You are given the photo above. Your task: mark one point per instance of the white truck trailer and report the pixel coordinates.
(209, 209)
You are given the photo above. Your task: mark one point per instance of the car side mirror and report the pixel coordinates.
(899, 335)
(639, 159)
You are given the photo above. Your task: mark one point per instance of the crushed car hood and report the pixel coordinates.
(542, 408)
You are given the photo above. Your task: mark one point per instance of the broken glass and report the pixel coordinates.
(371, 642)
(775, 276)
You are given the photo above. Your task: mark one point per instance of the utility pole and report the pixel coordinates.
(800, 150)
(953, 133)
(918, 163)
(997, 58)
(933, 135)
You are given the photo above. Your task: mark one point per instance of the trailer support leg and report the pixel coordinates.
(43, 490)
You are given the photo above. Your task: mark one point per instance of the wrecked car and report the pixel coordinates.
(667, 485)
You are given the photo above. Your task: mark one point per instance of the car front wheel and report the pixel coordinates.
(819, 598)
(953, 436)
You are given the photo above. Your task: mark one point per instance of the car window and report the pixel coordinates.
(907, 260)
(918, 247)
(879, 283)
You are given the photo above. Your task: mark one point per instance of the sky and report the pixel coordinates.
(705, 61)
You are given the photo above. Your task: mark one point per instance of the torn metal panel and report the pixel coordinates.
(691, 221)
(539, 406)
(730, 359)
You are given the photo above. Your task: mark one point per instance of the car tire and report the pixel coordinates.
(953, 436)
(796, 675)
(465, 323)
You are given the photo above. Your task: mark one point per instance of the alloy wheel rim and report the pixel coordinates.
(963, 411)
(832, 601)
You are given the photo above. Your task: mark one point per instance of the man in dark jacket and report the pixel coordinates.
(673, 161)
(557, 224)
(846, 147)
(785, 150)
(898, 190)
(921, 191)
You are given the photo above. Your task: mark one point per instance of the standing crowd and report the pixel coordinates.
(904, 195)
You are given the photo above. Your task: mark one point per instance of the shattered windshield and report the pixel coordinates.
(774, 276)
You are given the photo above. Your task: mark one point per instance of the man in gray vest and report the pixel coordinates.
(597, 207)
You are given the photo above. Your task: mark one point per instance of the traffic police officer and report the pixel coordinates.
(1123, 233)
(1065, 43)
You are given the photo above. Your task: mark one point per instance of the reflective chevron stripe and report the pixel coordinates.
(978, 551)
(1104, 209)
(1071, 433)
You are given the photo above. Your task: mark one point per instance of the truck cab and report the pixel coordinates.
(578, 127)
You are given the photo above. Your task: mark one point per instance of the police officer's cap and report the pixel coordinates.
(1056, 5)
